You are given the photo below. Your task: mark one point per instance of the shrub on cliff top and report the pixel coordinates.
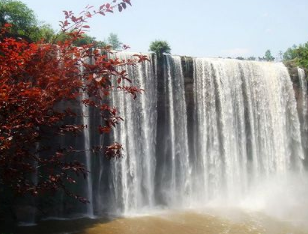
(159, 47)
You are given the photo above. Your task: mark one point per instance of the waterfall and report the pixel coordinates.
(176, 173)
(246, 129)
(87, 146)
(247, 125)
(133, 175)
(303, 106)
(303, 85)
(192, 141)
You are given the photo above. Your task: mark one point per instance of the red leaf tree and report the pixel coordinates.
(36, 81)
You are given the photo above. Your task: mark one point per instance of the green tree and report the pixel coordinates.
(301, 54)
(297, 55)
(268, 56)
(23, 21)
(291, 53)
(44, 31)
(159, 47)
(19, 15)
(100, 44)
(280, 55)
(114, 41)
(251, 58)
(85, 40)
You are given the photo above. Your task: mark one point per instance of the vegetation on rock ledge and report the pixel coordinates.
(159, 47)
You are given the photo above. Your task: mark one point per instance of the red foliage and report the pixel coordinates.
(37, 78)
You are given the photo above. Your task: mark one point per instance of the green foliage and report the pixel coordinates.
(24, 22)
(251, 58)
(18, 14)
(268, 56)
(85, 40)
(302, 55)
(25, 25)
(100, 44)
(159, 47)
(114, 41)
(290, 54)
(43, 31)
(298, 54)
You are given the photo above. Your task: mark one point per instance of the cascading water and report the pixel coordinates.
(133, 175)
(247, 126)
(243, 129)
(87, 146)
(246, 130)
(176, 172)
(303, 106)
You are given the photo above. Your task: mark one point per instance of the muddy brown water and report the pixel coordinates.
(188, 222)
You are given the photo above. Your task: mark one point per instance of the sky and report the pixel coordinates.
(199, 28)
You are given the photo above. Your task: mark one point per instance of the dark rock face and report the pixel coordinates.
(293, 71)
(292, 68)
(299, 96)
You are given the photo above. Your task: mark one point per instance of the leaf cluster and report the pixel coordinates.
(23, 21)
(298, 54)
(159, 47)
(38, 85)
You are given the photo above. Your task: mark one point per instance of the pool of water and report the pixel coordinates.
(211, 221)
